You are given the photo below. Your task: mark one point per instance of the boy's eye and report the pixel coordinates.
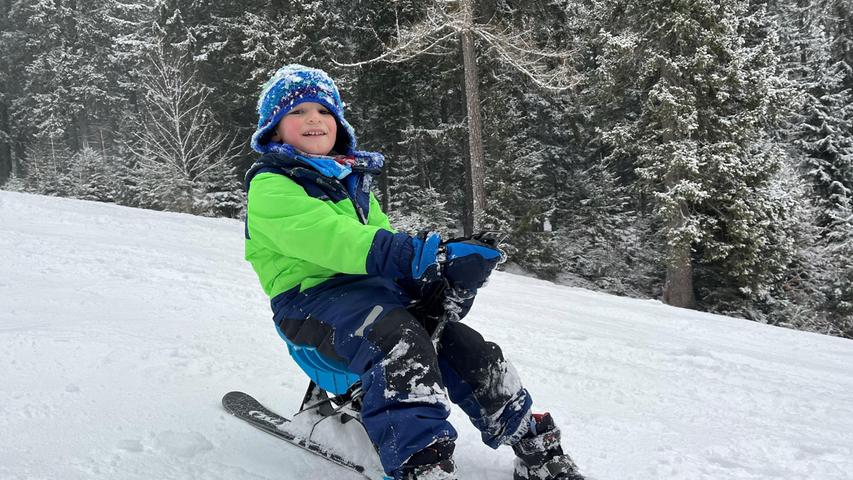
(295, 111)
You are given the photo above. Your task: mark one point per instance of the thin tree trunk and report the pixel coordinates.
(5, 133)
(18, 158)
(475, 166)
(83, 129)
(422, 167)
(71, 137)
(5, 146)
(384, 188)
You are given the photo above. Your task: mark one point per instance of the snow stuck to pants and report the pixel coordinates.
(395, 366)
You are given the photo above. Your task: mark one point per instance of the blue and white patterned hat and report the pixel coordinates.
(294, 84)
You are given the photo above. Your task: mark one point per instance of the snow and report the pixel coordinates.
(121, 329)
(416, 391)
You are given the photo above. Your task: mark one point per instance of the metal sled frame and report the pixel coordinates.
(345, 407)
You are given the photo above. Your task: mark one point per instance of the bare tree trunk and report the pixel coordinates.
(801, 26)
(475, 166)
(678, 288)
(83, 129)
(5, 133)
(422, 167)
(384, 188)
(5, 146)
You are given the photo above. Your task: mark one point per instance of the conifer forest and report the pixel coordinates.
(698, 152)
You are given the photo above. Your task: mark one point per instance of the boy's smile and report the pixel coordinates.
(309, 127)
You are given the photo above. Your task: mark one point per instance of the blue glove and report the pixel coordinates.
(425, 248)
(469, 263)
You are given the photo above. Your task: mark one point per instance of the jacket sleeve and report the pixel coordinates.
(377, 216)
(282, 217)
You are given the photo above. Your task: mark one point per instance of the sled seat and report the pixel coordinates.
(330, 375)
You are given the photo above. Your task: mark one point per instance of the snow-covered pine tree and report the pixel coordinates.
(415, 125)
(409, 112)
(223, 194)
(414, 203)
(448, 27)
(14, 184)
(823, 126)
(213, 35)
(693, 87)
(571, 218)
(92, 176)
(127, 24)
(67, 85)
(173, 34)
(820, 135)
(519, 182)
(48, 166)
(40, 109)
(61, 75)
(839, 23)
(840, 291)
(601, 239)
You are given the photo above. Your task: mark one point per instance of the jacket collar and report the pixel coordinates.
(335, 167)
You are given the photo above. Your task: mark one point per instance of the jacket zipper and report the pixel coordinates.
(354, 201)
(340, 186)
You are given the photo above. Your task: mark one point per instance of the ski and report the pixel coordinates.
(248, 409)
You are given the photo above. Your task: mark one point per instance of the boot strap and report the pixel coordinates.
(540, 443)
(561, 464)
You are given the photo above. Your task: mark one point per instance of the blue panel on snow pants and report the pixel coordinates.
(363, 321)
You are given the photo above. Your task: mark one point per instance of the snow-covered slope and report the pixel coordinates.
(121, 329)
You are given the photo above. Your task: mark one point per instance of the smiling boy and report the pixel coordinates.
(341, 280)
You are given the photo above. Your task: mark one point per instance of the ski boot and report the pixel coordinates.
(435, 462)
(539, 455)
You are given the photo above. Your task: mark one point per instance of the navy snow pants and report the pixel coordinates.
(364, 322)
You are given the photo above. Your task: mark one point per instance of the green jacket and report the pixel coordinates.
(303, 227)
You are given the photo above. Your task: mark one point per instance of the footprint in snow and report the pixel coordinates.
(182, 444)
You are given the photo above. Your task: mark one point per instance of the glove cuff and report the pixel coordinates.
(425, 255)
(390, 255)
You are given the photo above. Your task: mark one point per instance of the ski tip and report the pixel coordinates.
(231, 396)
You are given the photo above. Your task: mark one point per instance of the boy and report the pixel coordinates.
(343, 281)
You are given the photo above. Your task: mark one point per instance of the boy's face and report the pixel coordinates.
(309, 127)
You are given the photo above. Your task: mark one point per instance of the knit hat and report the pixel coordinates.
(294, 84)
